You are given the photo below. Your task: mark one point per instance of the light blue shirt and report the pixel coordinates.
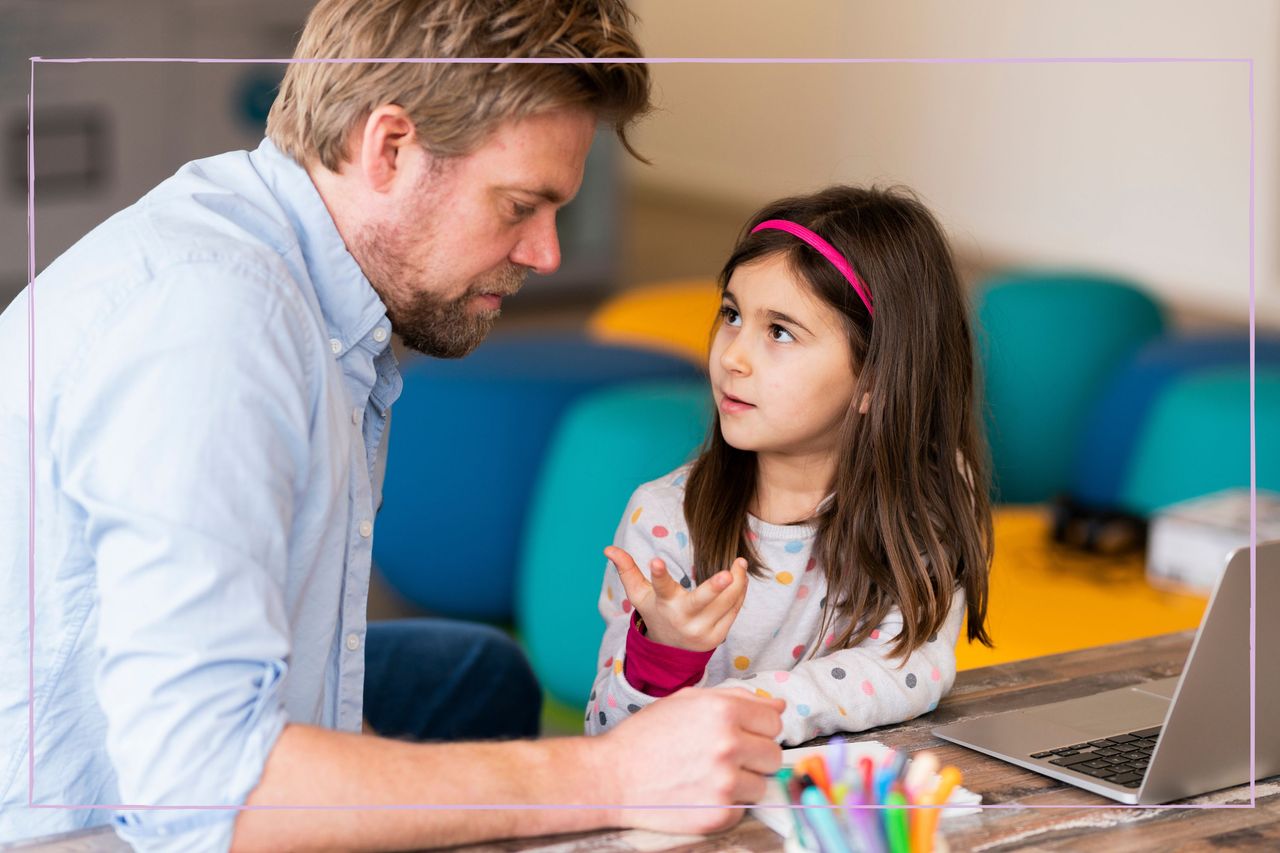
(212, 378)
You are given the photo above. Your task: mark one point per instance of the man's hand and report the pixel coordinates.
(707, 747)
(698, 619)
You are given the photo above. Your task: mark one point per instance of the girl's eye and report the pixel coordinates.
(729, 314)
(776, 330)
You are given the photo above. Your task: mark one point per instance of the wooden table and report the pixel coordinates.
(981, 691)
(1008, 686)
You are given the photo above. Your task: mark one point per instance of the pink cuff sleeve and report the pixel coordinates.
(658, 670)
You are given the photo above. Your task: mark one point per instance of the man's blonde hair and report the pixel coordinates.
(454, 106)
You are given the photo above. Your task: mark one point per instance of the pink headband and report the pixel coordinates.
(828, 251)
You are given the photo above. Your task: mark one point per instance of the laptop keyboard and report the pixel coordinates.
(1121, 759)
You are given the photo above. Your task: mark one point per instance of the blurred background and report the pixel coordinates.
(1100, 214)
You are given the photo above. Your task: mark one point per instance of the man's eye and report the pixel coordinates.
(521, 211)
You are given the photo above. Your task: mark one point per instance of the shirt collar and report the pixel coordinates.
(350, 305)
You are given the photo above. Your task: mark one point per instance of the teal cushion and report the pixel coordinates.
(1047, 344)
(607, 444)
(1196, 439)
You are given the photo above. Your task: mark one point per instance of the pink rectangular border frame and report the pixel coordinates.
(1253, 507)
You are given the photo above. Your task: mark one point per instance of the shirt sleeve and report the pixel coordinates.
(863, 687)
(646, 531)
(182, 438)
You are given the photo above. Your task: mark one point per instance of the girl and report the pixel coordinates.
(823, 545)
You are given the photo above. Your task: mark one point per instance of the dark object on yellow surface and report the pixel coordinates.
(1096, 530)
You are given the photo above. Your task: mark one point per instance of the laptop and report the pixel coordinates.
(1170, 738)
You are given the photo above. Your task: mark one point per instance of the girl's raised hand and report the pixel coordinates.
(698, 619)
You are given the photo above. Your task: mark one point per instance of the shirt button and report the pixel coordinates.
(353, 641)
(366, 528)
(379, 334)
(355, 417)
(335, 345)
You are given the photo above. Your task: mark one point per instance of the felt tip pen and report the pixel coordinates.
(895, 823)
(927, 825)
(835, 757)
(867, 823)
(823, 821)
(784, 779)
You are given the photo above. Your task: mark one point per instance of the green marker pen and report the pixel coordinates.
(895, 823)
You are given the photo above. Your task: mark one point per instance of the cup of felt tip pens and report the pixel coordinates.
(843, 804)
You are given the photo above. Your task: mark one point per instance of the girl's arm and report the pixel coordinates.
(645, 532)
(859, 688)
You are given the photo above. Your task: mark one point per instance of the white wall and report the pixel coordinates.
(1138, 169)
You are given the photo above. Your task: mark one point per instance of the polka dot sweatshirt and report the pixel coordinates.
(770, 649)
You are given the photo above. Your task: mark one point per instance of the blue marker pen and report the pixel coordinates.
(823, 821)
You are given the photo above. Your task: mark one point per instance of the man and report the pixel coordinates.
(212, 379)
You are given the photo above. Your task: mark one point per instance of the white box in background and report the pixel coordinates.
(1190, 541)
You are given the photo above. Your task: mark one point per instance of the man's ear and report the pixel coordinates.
(387, 133)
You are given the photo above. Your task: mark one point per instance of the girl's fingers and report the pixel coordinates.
(633, 580)
(726, 608)
(709, 590)
(664, 586)
(725, 622)
(731, 590)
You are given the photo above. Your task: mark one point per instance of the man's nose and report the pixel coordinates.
(539, 249)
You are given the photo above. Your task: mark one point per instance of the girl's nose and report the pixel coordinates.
(734, 357)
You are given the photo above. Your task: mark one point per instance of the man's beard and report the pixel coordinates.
(426, 322)
(449, 328)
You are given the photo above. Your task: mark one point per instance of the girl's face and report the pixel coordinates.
(781, 367)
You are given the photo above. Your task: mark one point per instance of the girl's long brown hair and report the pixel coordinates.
(910, 522)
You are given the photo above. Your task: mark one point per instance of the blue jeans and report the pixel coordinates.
(437, 680)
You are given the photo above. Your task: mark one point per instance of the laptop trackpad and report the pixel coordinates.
(1109, 713)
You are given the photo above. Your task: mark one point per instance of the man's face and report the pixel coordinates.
(464, 232)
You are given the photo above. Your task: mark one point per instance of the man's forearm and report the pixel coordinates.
(316, 767)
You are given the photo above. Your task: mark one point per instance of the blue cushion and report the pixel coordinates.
(1111, 430)
(467, 439)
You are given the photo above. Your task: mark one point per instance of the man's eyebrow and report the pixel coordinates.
(770, 315)
(545, 193)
